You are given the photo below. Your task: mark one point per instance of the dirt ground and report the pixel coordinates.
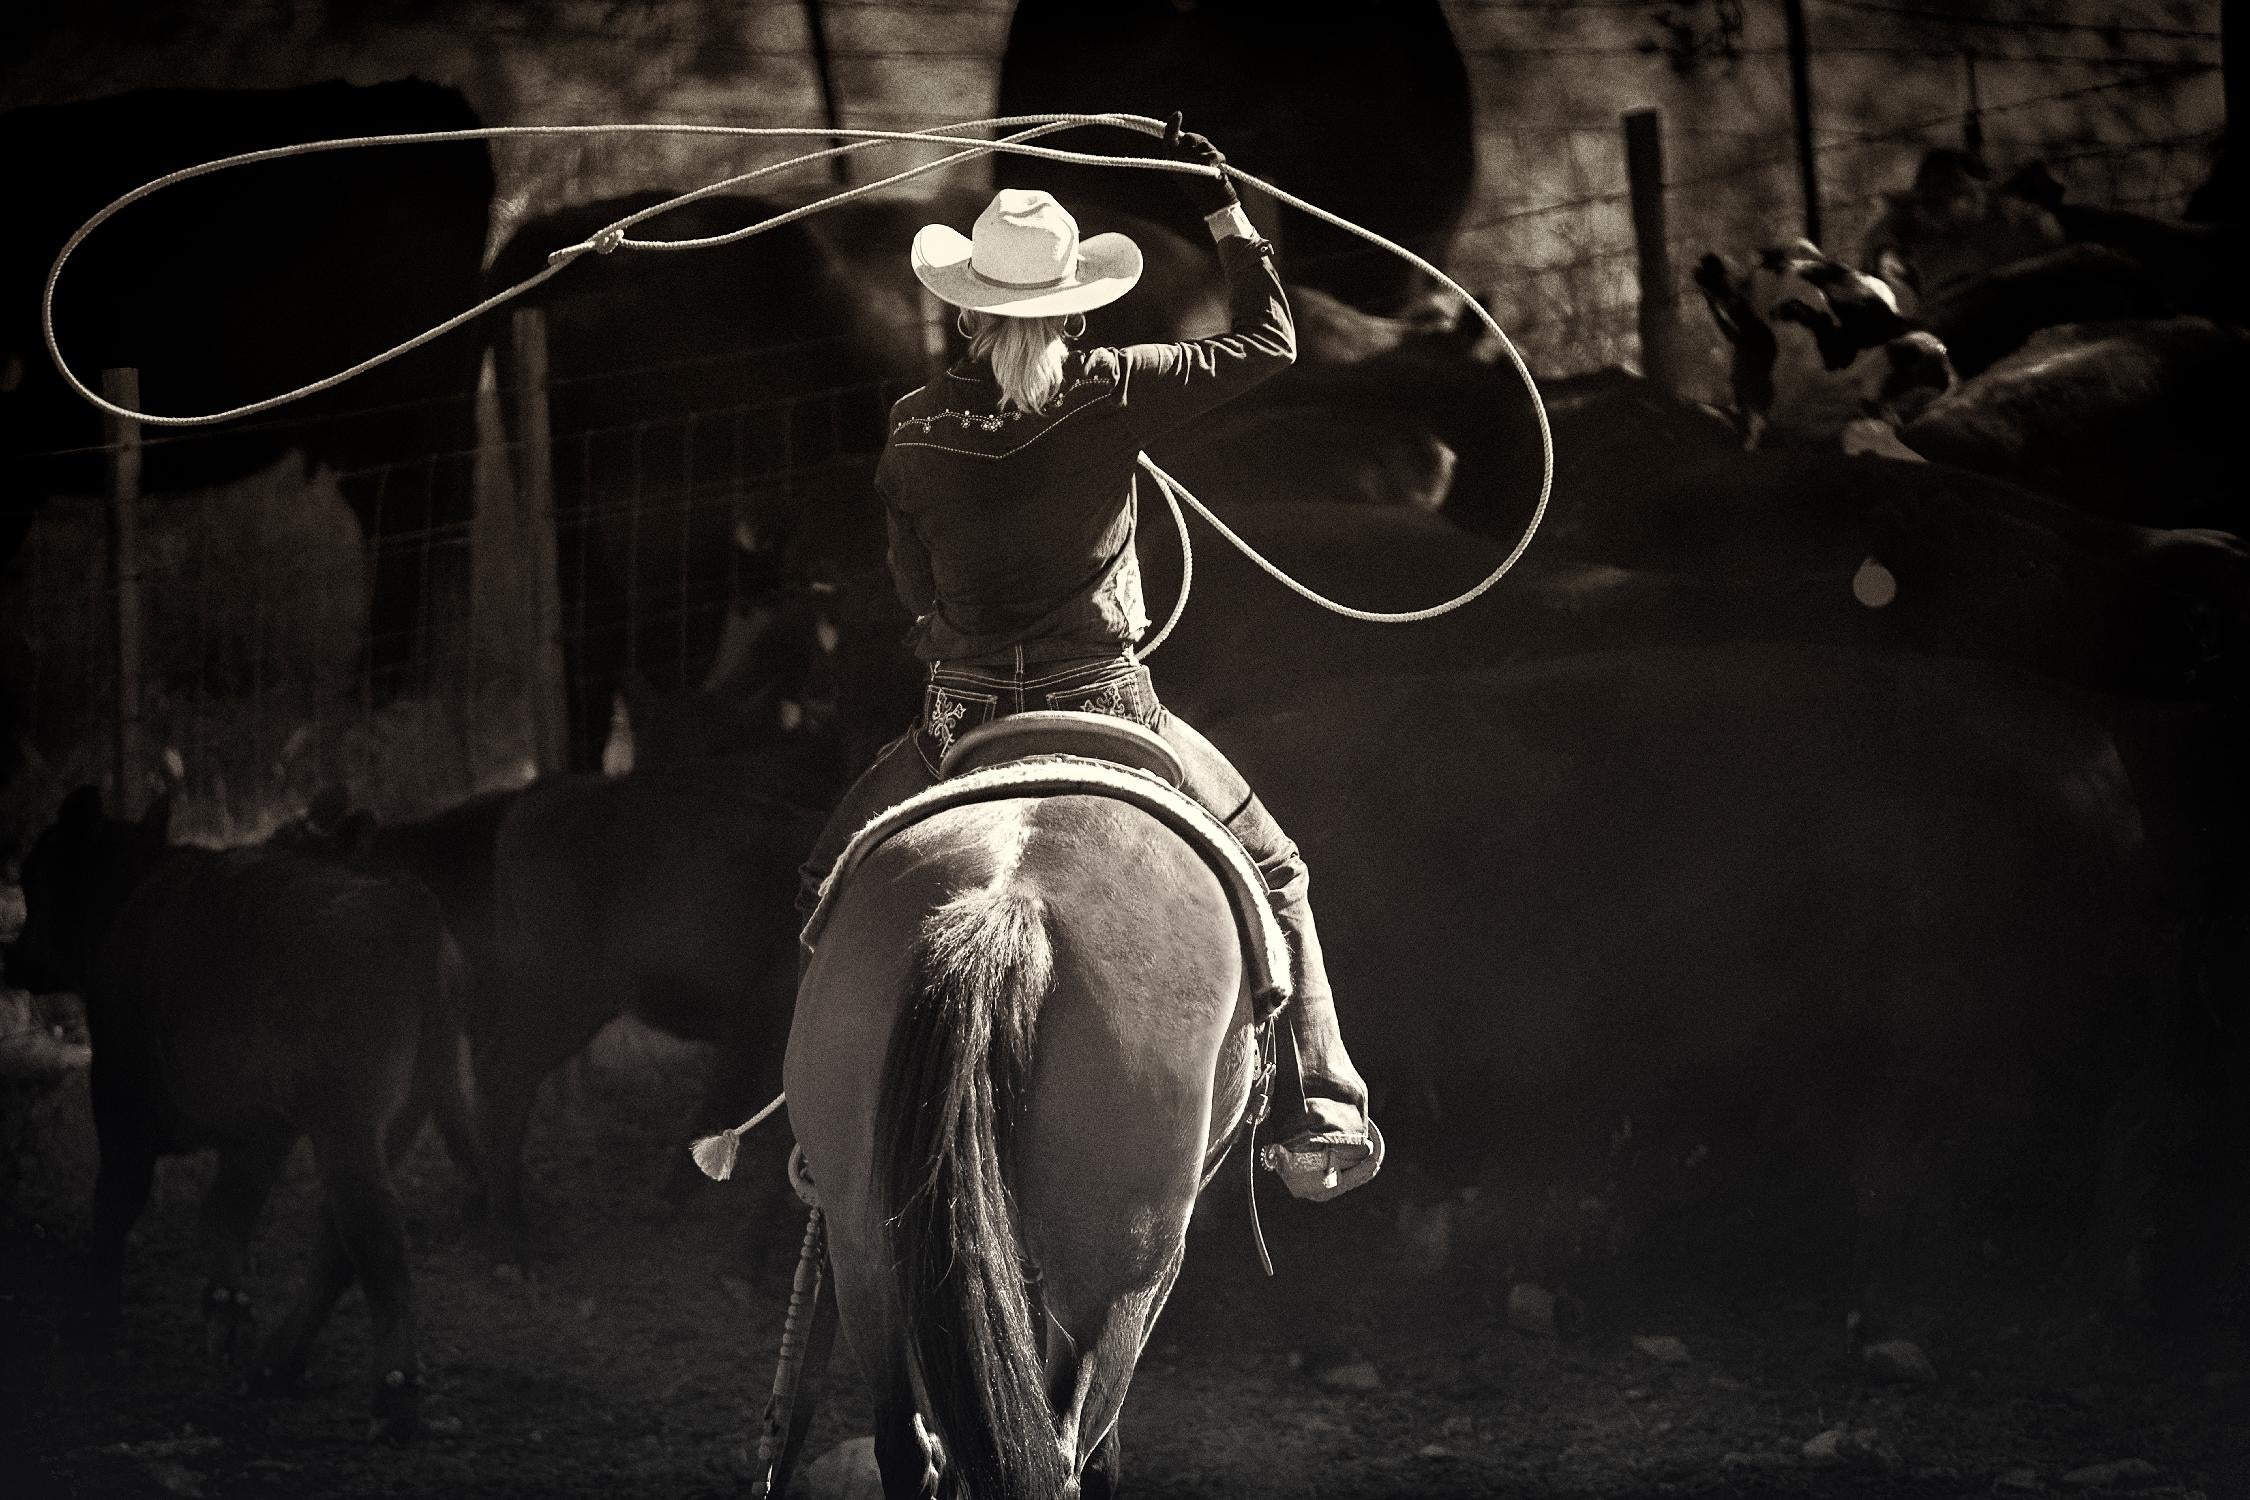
(632, 1360)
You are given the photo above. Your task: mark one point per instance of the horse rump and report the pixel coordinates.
(955, 1076)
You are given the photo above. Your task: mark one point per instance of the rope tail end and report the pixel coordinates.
(715, 1154)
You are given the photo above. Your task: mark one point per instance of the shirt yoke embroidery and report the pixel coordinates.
(997, 421)
(898, 442)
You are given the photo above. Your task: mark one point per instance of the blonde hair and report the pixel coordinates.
(1026, 356)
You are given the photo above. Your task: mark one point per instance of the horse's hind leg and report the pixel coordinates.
(247, 1173)
(905, 1455)
(909, 1469)
(1087, 1381)
(1105, 1471)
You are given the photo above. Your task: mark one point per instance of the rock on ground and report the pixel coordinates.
(1531, 1309)
(2119, 1474)
(1899, 1360)
(1352, 1375)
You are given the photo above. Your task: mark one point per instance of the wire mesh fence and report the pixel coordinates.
(291, 639)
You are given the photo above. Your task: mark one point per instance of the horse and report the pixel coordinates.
(1023, 1043)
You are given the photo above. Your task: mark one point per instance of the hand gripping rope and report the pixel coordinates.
(614, 237)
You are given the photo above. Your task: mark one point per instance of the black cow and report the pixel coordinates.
(247, 284)
(2198, 265)
(449, 853)
(1987, 317)
(668, 894)
(246, 999)
(2135, 420)
(1615, 434)
(1315, 98)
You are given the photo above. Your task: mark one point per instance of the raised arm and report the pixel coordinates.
(1164, 385)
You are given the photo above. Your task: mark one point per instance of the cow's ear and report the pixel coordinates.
(81, 809)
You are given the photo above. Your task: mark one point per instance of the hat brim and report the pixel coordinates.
(1108, 266)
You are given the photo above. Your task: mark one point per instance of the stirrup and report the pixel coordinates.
(1320, 1164)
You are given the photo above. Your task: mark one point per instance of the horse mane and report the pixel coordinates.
(955, 1076)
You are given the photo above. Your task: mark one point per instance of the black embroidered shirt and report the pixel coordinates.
(1009, 528)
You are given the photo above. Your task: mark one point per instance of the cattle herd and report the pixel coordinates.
(1857, 765)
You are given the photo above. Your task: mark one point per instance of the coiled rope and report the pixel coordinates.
(613, 237)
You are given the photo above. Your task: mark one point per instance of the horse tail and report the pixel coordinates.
(954, 1079)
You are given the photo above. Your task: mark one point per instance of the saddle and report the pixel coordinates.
(1055, 753)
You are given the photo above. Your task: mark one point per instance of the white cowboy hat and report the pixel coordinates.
(1025, 260)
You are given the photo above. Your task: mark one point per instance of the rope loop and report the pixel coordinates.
(1023, 131)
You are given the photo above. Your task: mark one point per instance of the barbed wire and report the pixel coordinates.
(1935, 122)
(2020, 23)
(1854, 49)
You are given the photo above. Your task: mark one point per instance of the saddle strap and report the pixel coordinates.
(1245, 1133)
(1261, 1101)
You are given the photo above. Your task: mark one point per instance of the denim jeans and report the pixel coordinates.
(962, 695)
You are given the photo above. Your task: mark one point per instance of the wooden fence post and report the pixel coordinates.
(1800, 100)
(824, 69)
(535, 524)
(122, 436)
(1644, 171)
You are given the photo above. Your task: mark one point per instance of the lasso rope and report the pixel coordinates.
(613, 237)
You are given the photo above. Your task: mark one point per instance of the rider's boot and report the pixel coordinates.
(1329, 1145)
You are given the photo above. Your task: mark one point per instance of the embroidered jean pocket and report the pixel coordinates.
(947, 714)
(1126, 695)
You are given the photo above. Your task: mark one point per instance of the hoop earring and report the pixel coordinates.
(1070, 337)
(961, 324)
